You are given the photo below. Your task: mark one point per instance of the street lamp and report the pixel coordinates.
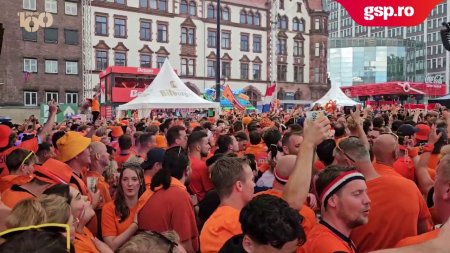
(218, 33)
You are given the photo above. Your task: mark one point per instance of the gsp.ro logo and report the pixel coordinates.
(31, 21)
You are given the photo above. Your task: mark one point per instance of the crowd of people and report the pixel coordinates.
(364, 180)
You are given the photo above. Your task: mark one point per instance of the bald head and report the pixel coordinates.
(385, 147)
(97, 147)
(285, 165)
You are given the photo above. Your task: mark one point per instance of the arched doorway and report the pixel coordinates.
(253, 94)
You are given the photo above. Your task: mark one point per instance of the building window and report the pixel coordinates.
(101, 25)
(282, 22)
(225, 14)
(120, 59)
(51, 35)
(187, 67)
(244, 42)
(256, 44)
(51, 6)
(145, 60)
(29, 36)
(183, 7)
(243, 17)
(298, 48)
(298, 74)
(317, 49)
(317, 75)
(211, 11)
(281, 4)
(51, 96)
(226, 40)
(256, 71)
(162, 33)
(146, 30)
(250, 18)
(101, 60)
(51, 66)
(71, 37)
(187, 36)
(212, 38)
(226, 69)
(71, 67)
(281, 72)
(211, 68)
(281, 47)
(71, 98)
(120, 28)
(192, 8)
(299, 7)
(317, 23)
(297, 25)
(120, 1)
(29, 5)
(71, 8)
(162, 5)
(30, 98)
(154, 4)
(257, 19)
(143, 3)
(244, 71)
(160, 60)
(30, 65)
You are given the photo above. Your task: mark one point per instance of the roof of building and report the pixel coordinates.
(254, 3)
(315, 5)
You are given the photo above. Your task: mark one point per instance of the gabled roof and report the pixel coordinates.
(120, 47)
(146, 50)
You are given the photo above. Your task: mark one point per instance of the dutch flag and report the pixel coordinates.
(270, 95)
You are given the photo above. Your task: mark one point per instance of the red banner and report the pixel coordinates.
(124, 95)
(129, 70)
(395, 88)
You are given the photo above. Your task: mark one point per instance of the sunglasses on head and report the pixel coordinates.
(338, 146)
(26, 158)
(47, 227)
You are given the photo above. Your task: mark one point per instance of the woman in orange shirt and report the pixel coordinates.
(119, 217)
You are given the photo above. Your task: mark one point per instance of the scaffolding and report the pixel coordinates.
(273, 42)
(88, 87)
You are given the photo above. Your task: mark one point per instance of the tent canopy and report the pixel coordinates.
(167, 91)
(335, 93)
(446, 97)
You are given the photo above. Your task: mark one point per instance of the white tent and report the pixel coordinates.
(335, 93)
(167, 91)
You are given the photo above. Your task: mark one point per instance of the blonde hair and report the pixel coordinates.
(26, 213)
(149, 242)
(56, 208)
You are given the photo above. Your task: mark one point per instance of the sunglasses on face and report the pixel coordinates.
(47, 227)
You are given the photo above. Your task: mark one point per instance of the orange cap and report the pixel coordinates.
(161, 141)
(53, 172)
(117, 131)
(246, 120)
(424, 131)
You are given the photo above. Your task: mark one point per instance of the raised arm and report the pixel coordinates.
(47, 128)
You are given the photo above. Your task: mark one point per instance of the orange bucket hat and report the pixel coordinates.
(71, 145)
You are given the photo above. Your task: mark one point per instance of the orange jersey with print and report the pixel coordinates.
(102, 186)
(385, 170)
(83, 242)
(323, 240)
(221, 226)
(396, 207)
(200, 180)
(413, 240)
(309, 217)
(95, 107)
(7, 181)
(261, 156)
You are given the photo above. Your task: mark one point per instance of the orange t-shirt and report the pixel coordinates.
(14, 195)
(396, 207)
(309, 217)
(95, 107)
(84, 243)
(110, 221)
(405, 167)
(413, 240)
(261, 156)
(221, 226)
(121, 159)
(102, 186)
(200, 180)
(7, 181)
(148, 181)
(322, 239)
(385, 170)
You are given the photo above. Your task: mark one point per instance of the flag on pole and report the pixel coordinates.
(228, 95)
(270, 94)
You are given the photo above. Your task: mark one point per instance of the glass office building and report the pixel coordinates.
(353, 61)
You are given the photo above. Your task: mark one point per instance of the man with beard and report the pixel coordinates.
(345, 205)
(198, 148)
